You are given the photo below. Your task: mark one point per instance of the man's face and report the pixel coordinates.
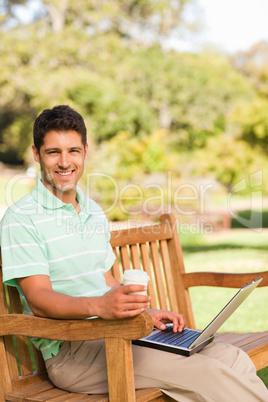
(61, 158)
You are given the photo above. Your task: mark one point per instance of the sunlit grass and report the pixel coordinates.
(230, 251)
(13, 187)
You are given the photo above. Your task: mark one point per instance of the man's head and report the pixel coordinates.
(60, 148)
(59, 118)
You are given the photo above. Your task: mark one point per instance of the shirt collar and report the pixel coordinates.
(81, 198)
(48, 200)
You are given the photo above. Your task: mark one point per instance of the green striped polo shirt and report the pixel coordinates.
(41, 235)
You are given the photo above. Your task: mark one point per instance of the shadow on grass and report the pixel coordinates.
(217, 247)
(263, 374)
(254, 219)
(196, 242)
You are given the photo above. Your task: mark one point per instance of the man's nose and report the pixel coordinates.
(64, 160)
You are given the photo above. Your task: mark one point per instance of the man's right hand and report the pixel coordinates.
(120, 302)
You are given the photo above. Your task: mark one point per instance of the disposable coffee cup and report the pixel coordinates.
(136, 277)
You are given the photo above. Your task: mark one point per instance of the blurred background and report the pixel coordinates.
(175, 97)
(174, 94)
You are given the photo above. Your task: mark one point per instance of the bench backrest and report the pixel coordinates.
(155, 249)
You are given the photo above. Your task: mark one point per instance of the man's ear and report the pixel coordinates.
(35, 154)
(86, 149)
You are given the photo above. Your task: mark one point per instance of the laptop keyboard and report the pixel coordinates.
(168, 337)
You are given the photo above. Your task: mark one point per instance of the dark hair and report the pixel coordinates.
(59, 118)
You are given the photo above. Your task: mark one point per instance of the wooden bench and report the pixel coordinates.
(155, 249)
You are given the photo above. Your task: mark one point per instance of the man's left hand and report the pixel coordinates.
(162, 317)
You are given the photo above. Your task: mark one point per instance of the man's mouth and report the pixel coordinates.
(65, 173)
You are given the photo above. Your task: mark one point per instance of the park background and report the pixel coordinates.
(174, 124)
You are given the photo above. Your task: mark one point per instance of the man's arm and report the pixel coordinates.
(117, 303)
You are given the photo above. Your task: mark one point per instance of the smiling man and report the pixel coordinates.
(62, 164)
(61, 149)
(62, 272)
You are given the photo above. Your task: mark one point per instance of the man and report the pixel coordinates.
(56, 251)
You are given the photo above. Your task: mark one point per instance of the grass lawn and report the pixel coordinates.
(236, 250)
(12, 188)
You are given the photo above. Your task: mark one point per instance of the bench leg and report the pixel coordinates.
(120, 370)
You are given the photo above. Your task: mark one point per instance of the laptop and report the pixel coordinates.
(190, 341)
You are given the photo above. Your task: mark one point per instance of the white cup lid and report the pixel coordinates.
(135, 274)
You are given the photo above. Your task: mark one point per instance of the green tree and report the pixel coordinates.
(191, 95)
(251, 123)
(146, 109)
(253, 63)
(228, 160)
(137, 19)
(57, 57)
(111, 109)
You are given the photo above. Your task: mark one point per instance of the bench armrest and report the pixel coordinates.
(118, 335)
(76, 330)
(218, 279)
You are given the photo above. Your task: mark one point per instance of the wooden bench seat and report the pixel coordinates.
(155, 249)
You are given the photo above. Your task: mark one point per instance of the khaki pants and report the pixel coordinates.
(220, 372)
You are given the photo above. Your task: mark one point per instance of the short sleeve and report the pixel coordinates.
(23, 253)
(110, 256)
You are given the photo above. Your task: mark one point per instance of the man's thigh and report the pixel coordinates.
(80, 367)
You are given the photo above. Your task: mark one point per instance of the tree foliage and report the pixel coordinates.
(253, 63)
(154, 20)
(251, 123)
(146, 108)
(229, 161)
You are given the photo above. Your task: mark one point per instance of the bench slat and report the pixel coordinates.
(27, 391)
(125, 257)
(146, 263)
(168, 274)
(80, 397)
(39, 361)
(116, 267)
(144, 395)
(141, 234)
(135, 259)
(46, 395)
(158, 275)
